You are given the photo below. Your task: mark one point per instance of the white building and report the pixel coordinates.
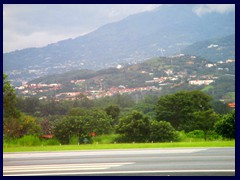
(200, 82)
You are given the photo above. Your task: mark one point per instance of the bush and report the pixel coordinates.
(135, 126)
(74, 140)
(106, 139)
(9, 142)
(196, 134)
(29, 140)
(226, 126)
(49, 142)
(180, 136)
(162, 131)
(123, 139)
(212, 135)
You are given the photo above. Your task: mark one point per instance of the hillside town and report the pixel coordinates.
(171, 80)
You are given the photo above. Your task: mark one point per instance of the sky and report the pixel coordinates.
(36, 25)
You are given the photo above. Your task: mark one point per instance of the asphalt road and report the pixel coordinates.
(135, 162)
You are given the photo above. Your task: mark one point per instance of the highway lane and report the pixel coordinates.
(142, 162)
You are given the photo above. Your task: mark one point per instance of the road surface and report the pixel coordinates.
(134, 162)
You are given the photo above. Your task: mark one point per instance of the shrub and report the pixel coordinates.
(162, 131)
(48, 142)
(29, 140)
(135, 126)
(74, 140)
(180, 136)
(226, 126)
(106, 139)
(196, 134)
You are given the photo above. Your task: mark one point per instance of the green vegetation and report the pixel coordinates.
(80, 126)
(178, 108)
(181, 118)
(226, 126)
(207, 88)
(29, 141)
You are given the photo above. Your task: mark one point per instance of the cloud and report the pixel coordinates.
(34, 25)
(38, 39)
(209, 8)
(48, 23)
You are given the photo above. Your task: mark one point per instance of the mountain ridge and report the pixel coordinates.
(162, 32)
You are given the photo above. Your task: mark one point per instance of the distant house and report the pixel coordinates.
(210, 65)
(232, 104)
(47, 136)
(200, 82)
(230, 61)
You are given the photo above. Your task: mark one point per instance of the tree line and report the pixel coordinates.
(152, 119)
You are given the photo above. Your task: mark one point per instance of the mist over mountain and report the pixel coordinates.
(162, 32)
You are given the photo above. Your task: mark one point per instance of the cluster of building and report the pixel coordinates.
(95, 94)
(171, 78)
(33, 89)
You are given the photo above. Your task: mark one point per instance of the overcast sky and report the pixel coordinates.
(38, 25)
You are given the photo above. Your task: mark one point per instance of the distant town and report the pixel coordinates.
(173, 79)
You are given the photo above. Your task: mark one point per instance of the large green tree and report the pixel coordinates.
(177, 108)
(11, 116)
(9, 99)
(94, 120)
(134, 126)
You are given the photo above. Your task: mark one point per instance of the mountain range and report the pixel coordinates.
(161, 32)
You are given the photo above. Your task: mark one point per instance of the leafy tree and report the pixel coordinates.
(123, 101)
(30, 126)
(93, 121)
(18, 127)
(162, 131)
(53, 108)
(147, 105)
(77, 111)
(226, 126)
(177, 108)
(135, 127)
(82, 101)
(98, 121)
(204, 120)
(11, 127)
(11, 116)
(9, 99)
(28, 105)
(67, 127)
(113, 111)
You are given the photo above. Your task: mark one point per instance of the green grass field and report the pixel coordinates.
(201, 144)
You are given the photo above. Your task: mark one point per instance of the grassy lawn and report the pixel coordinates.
(121, 146)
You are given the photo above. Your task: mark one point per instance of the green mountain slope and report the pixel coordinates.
(214, 50)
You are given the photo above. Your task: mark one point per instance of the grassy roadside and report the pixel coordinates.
(203, 144)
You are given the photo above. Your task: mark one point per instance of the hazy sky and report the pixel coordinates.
(37, 25)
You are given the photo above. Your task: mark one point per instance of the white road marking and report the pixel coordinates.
(101, 152)
(61, 167)
(124, 172)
